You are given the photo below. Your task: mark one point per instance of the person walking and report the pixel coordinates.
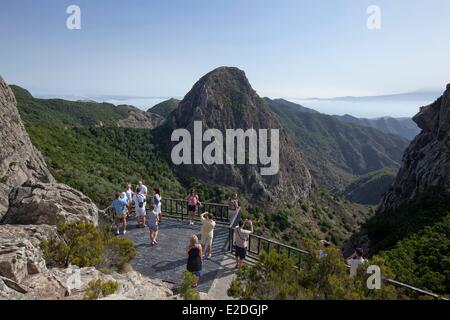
(194, 253)
(192, 204)
(233, 209)
(140, 207)
(120, 212)
(241, 236)
(156, 201)
(153, 218)
(207, 231)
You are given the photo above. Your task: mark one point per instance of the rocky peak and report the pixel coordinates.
(427, 159)
(224, 99)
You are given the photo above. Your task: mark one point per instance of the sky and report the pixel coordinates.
(288, 48)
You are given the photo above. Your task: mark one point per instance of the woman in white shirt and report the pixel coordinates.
(156, 201)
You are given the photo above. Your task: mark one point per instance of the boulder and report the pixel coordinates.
(20, 255)
(43, 203)
(131, 286)
(8, 293)
(19, 258)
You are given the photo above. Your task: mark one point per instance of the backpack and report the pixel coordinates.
(140, 203)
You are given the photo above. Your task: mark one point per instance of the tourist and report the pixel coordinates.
(140, 207)
(354, 261)
(241, 237)
(207, 231)
(128, 195)
(156, 201)
(194, 253)
(143, 188)
(192, 203)
(233, 209)
(153, 218)
(324, 245)
(120, 213)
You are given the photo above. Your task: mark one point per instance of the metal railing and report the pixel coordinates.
(177, 208)
(257, 245)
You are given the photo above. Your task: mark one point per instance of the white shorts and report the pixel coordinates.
(140, 213)
(207, 241)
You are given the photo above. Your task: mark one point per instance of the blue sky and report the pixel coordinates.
(288, 49)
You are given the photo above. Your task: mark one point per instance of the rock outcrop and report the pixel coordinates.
(140, 119)
(131, 285)
(43, 203)
(24, 275)
(427, 159)
(425, 164)
(224, 99)
(19, 159)
(20, 255)
(28, 192)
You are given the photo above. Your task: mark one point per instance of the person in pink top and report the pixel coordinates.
(192, 204)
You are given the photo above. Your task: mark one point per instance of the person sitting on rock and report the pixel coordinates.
(120, 212)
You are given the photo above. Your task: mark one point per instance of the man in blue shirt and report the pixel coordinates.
(120, 212)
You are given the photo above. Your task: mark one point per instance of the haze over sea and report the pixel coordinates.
(365, 109)
(361, 109)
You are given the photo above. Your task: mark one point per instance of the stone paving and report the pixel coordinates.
(166, 260)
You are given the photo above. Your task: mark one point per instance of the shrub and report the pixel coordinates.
(276, 277)
(188, 292)
(98, 289)
(84, 245)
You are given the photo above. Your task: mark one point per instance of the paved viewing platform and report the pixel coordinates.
(167, 260)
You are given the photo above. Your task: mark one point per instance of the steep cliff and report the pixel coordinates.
(426, 161)
(19, 159)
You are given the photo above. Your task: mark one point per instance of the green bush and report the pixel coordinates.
(187, 291)
(98, 289)
(84, 245)
(277, 277)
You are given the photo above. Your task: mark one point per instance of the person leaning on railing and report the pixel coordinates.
(233, 208)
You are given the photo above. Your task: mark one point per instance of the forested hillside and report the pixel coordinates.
(337, 152)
